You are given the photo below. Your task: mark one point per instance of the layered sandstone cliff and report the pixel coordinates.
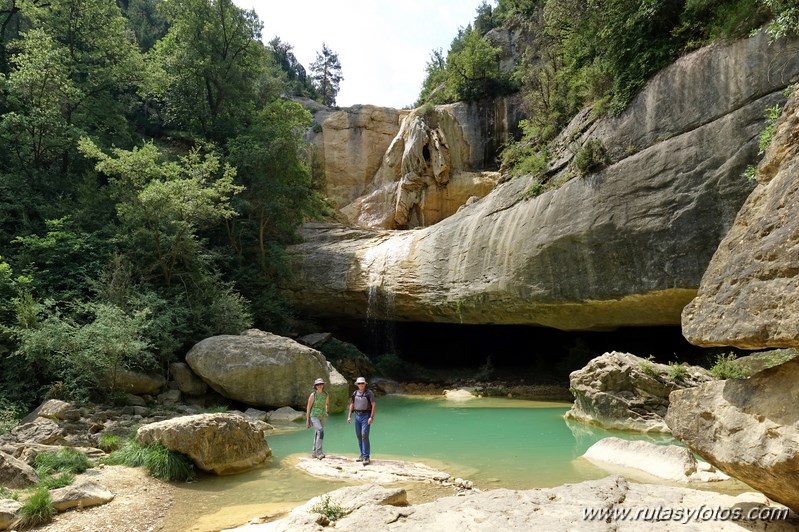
(625, 245)
(403, 169)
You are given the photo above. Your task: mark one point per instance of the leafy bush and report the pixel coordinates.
(591, 156)
(159, 461)
(726, 368)
(9, 416)
(331, 510)
(37, 510)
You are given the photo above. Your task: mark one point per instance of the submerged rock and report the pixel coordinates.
(669, 462)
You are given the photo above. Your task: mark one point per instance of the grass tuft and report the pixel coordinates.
(159, 461)
(37, 510)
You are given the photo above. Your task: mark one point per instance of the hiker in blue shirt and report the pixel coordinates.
(362, 403)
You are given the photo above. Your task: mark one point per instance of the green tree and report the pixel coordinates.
(299, 84)
(473, 71)
(212, 62)
(273, 164)
(326, 74)
(147, 21)
(163, 204)
(434, 86)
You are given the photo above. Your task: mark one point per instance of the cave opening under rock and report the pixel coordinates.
(440, 351)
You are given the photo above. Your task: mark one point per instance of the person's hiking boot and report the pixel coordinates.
(359, 459)
(366, 460)
(314, 455)
(320, 455)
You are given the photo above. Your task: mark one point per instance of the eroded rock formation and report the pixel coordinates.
(624, 245)
(403, 169)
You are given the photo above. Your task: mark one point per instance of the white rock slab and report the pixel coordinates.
(669, 462)
(378, 471)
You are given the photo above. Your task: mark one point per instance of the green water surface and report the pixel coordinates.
(493, 442)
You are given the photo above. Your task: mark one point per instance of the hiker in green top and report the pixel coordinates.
(315, 413)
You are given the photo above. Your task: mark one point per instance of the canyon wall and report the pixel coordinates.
(624, 245)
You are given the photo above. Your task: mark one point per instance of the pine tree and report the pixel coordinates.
(326, 75)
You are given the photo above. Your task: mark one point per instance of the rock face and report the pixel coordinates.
(16, 474)
(403, 169)
(626, 245)
(747, 295)
(264, 369)
(660, 508)
(624, 392)
(218, 443)
(747, 428)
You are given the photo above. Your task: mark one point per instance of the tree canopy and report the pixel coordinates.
(151, 172)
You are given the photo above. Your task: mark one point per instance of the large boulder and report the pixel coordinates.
(217, 443)
(624, 392)
(747, 297)
(263, 369)
(624, 245)
(80, 495)
(40, 430)
(16, 474)
(187, 382)
(747, 428)
(52, 409)
(134, 382)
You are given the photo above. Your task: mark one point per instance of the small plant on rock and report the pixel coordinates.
(677, 372)
(648, 366)
(726, 368)
(331, 510)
